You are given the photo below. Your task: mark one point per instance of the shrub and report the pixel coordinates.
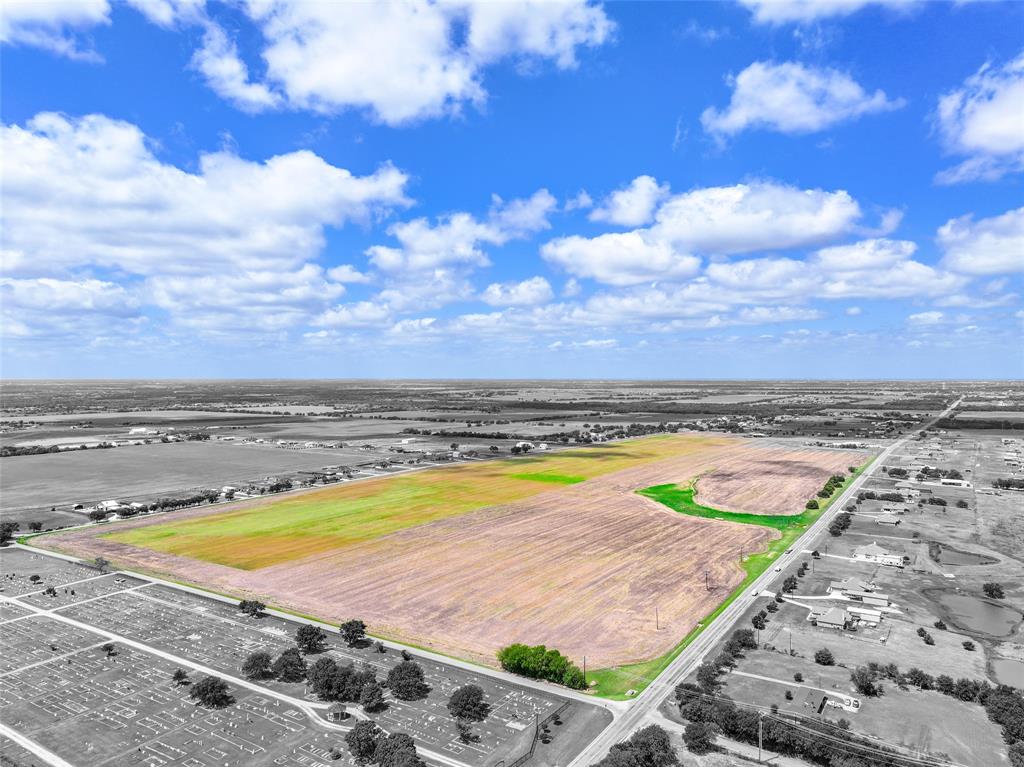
(812, 504)
(539, 662)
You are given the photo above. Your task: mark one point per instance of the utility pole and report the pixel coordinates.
(584, 671)
(657, 621)
(760, 734)
(707, 581)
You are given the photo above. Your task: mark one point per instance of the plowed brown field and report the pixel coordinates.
(579, 567)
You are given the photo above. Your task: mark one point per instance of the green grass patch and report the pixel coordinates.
(557, 479)
(613, 682)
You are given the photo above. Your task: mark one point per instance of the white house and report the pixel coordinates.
(872, 552)
(850, 584)
(889, 520)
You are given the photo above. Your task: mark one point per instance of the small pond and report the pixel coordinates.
(1009, 671)
(947, 555)
(974, 614)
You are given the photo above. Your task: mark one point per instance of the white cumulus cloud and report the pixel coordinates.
(535, 290)
(404, 61)
(792, 98)
(806, 11)
(633, 205)
(986, 246)
(984, 121)
(626, 258)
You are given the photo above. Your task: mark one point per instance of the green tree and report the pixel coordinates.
(35, 527)
(180, 677)
(211, 692)
(395, 750)
(257, 665)
(824, 657)
(864, 682)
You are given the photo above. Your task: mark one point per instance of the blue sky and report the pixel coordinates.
(647, 190)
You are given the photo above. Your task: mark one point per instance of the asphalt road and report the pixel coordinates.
(648, 701)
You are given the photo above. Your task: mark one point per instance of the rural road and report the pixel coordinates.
(647, 702)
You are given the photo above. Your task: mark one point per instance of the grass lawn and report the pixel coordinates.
(266, 533)
(558, 479)
(614, 682)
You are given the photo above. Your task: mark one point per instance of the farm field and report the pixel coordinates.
(468, 558)
(253, 536)
(82, 476)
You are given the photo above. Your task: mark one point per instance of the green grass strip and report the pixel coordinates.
(612, 683)
(558, 479)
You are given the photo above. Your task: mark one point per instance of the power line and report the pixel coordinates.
(843, 744)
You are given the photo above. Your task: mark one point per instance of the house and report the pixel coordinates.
(830, 617)
(336, 713)
(872, 552)
(850, 584)
(955, 482)
(887, 521)
(108, 505)
(894, 510)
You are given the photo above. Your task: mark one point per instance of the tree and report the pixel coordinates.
(362, 740)
(101, 564)
(257, 665)
(378, 646)
(371, 697)
(812, 504)
(648, 747)
(252, 607)
(289, 666)
(758, 622)
(311, 639)
(707, 676)
(468, 703)
(395, 750)
(7, 531)
(321, 676)
(35, 527)
(969, 646)
(824, 657)
(699, 737)
(406, 681)
(108, 648)
(211, 692)
(864, 682)
(798, 677)
(353, 632)
(180, 677)
(993, 590)
(465, 731)
(98, 515)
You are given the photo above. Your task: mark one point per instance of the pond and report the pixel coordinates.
(947, 555)
(974, 614)
(1009, 671)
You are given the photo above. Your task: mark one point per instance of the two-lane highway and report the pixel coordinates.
(688, 660)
